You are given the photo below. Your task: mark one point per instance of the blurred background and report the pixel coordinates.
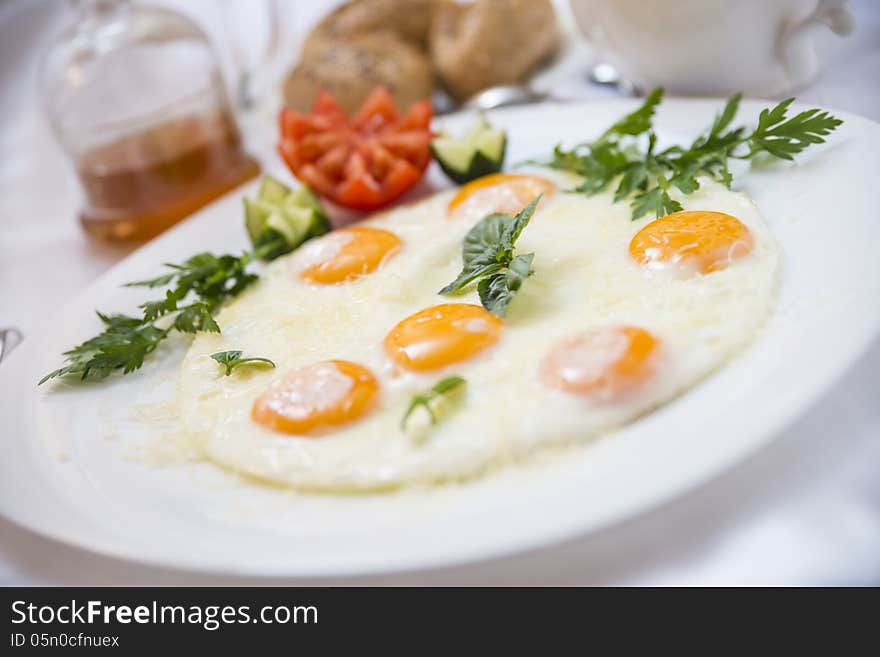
(105, 103)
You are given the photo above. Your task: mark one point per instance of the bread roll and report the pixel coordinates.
(350, 69)
(409, 19)
(490, 42)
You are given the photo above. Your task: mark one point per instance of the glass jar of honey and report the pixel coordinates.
(136, 99)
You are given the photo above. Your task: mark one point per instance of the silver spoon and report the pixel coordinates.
(504, 96)
(9, 340)
(605, 75)
(523, 94)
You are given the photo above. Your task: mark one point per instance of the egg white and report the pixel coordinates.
(583, 278)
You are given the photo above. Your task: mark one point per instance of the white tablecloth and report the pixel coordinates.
(805, 510)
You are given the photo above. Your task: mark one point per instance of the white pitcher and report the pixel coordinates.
(713, 47)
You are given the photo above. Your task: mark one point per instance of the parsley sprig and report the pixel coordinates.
(646, 177)
(123, 345)
(488, 259)
(198, 287)
(277, 222)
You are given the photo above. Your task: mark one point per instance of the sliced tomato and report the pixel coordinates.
(363, 162)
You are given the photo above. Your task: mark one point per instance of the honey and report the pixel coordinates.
(139, 184)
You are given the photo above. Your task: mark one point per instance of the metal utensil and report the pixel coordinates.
(605, 75)
(9, 340)
(524, 94)
(504, 96)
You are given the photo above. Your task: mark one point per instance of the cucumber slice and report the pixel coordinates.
(479, 152)
(305, 197)
(283, 218)
(273, 190)
(281, 222)
(256, 213)
(491, 143)
(479, 126)
(453, 153)
(318, 222)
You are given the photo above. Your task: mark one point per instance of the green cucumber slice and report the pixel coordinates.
(491, 143)
(304, 197)
(283, 218)
(272, 190)
(479, 152)
(256, 213)
(453, 153)
(281, 222)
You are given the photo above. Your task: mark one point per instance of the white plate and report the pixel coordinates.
(72, 463)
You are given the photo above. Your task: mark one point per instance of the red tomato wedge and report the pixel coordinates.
(361, 162)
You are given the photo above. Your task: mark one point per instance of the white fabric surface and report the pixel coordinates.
(805, 510)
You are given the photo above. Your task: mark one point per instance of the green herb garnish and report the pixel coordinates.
(647, 177)
(232, 359)
(212, 279)
(488, 259)
(123, 345)
(196, 290)
(429, 399)
(205, 279)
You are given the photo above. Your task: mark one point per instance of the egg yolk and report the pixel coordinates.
(691, 241)
(347, 254)
(603, 363)
(441, 335)
(316, 397)
(498, 192)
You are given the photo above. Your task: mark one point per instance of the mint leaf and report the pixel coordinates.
(497, 291)
(488, 260)
(479, 244)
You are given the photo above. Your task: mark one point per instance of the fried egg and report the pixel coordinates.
(619, 317)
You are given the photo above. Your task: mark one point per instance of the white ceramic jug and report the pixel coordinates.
(712, 47)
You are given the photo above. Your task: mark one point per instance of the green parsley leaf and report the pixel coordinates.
(232, 359)
(602, 160)
(213, 279)
(724, 119)
(126, 341)
(428, 399)
(198, 286)
(123, 345)
(655, 201)
(646, 178)
(120, 321)
(635, 177)
(159, 281)
(785, 138)
(196, 317)
(638, 121)
(153, 310)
